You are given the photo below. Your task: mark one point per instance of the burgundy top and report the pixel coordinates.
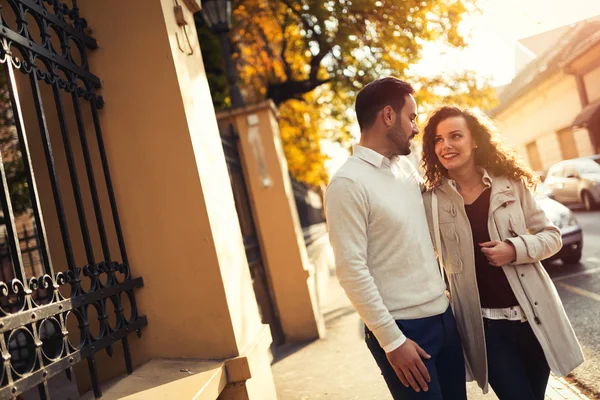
(494, 289)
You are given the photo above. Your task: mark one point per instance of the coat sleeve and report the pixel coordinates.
(543, 239)
(347, 209)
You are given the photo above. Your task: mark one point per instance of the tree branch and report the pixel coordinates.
(306, 23)
(291, 89)
(315, 62)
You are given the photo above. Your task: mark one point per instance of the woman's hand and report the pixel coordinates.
(499, 253)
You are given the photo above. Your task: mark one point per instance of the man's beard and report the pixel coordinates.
(400, 140)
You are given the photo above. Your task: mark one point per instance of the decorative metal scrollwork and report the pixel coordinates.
(49, 37)
(47, 40)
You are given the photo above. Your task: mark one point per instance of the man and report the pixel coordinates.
(384, 255)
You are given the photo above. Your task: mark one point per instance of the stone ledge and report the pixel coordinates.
(163, 378)
(167, 378)
(247, 109)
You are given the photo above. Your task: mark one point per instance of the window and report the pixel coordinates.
(587, 166)
(533, 154)
(568, 147)
(570, 171)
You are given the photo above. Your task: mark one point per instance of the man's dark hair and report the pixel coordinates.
(376, 95)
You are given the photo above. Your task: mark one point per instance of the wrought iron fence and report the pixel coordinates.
(310, 211)
(32, 258)
(32, 261)
(261, 281)
(46, 41)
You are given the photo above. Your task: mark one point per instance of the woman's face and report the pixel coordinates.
(454, 144)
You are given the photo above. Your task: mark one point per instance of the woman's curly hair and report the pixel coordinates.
(490, 154)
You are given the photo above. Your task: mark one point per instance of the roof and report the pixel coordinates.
(541, 42)
(574, 42)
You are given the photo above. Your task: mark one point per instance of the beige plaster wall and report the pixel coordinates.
(539, 115)
(156, 179)
(592, 84)
(582, 139)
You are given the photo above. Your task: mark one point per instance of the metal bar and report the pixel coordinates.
(48, 55)
(91, 360)
(90, 175)
(38, 245)
(28, 250)
(57, 367)
(6, 359)
(26, 156)
(127, 353)
(11, 231)
(43, 391)
(89, 41)
(62, 221)
(13, 321)
(87, 243)
(108, 180)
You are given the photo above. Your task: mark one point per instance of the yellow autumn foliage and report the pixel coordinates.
(311, 57)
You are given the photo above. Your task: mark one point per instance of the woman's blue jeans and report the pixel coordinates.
(517, 367)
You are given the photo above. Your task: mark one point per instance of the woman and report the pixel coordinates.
(492, 236)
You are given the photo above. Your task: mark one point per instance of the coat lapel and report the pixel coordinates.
(502, 194)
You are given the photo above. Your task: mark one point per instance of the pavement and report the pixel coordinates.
(579, 288)
(340, 367)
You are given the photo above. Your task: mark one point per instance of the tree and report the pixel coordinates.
(301, 137)
(464, 89)
(312, 56)
(302, 45)
(213, 64)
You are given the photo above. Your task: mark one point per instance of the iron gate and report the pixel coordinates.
(260, 277)
(46, 41)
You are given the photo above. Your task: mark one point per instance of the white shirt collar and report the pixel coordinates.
(370, 156)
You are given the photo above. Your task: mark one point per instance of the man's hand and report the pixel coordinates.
(499, 253)
(406, 361)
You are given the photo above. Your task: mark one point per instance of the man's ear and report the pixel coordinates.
(389, 116)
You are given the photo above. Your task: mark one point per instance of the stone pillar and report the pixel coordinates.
(291, 274)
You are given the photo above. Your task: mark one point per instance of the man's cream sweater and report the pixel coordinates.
(383, 251)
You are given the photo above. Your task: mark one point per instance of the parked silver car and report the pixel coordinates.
(565, 220)
(596, 158)
(575, 181)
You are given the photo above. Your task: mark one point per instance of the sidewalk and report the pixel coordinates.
(340, 367)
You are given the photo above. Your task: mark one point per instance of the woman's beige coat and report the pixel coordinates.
(513, 216)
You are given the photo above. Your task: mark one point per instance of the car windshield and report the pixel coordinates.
(588, 167)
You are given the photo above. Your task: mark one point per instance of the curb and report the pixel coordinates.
(560, 388)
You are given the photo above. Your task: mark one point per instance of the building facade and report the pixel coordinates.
(550, 111)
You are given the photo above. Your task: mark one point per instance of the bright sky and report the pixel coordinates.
(495, 31)
(493, 36)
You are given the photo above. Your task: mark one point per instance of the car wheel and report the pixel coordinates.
(588, 201)
(572, 258)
